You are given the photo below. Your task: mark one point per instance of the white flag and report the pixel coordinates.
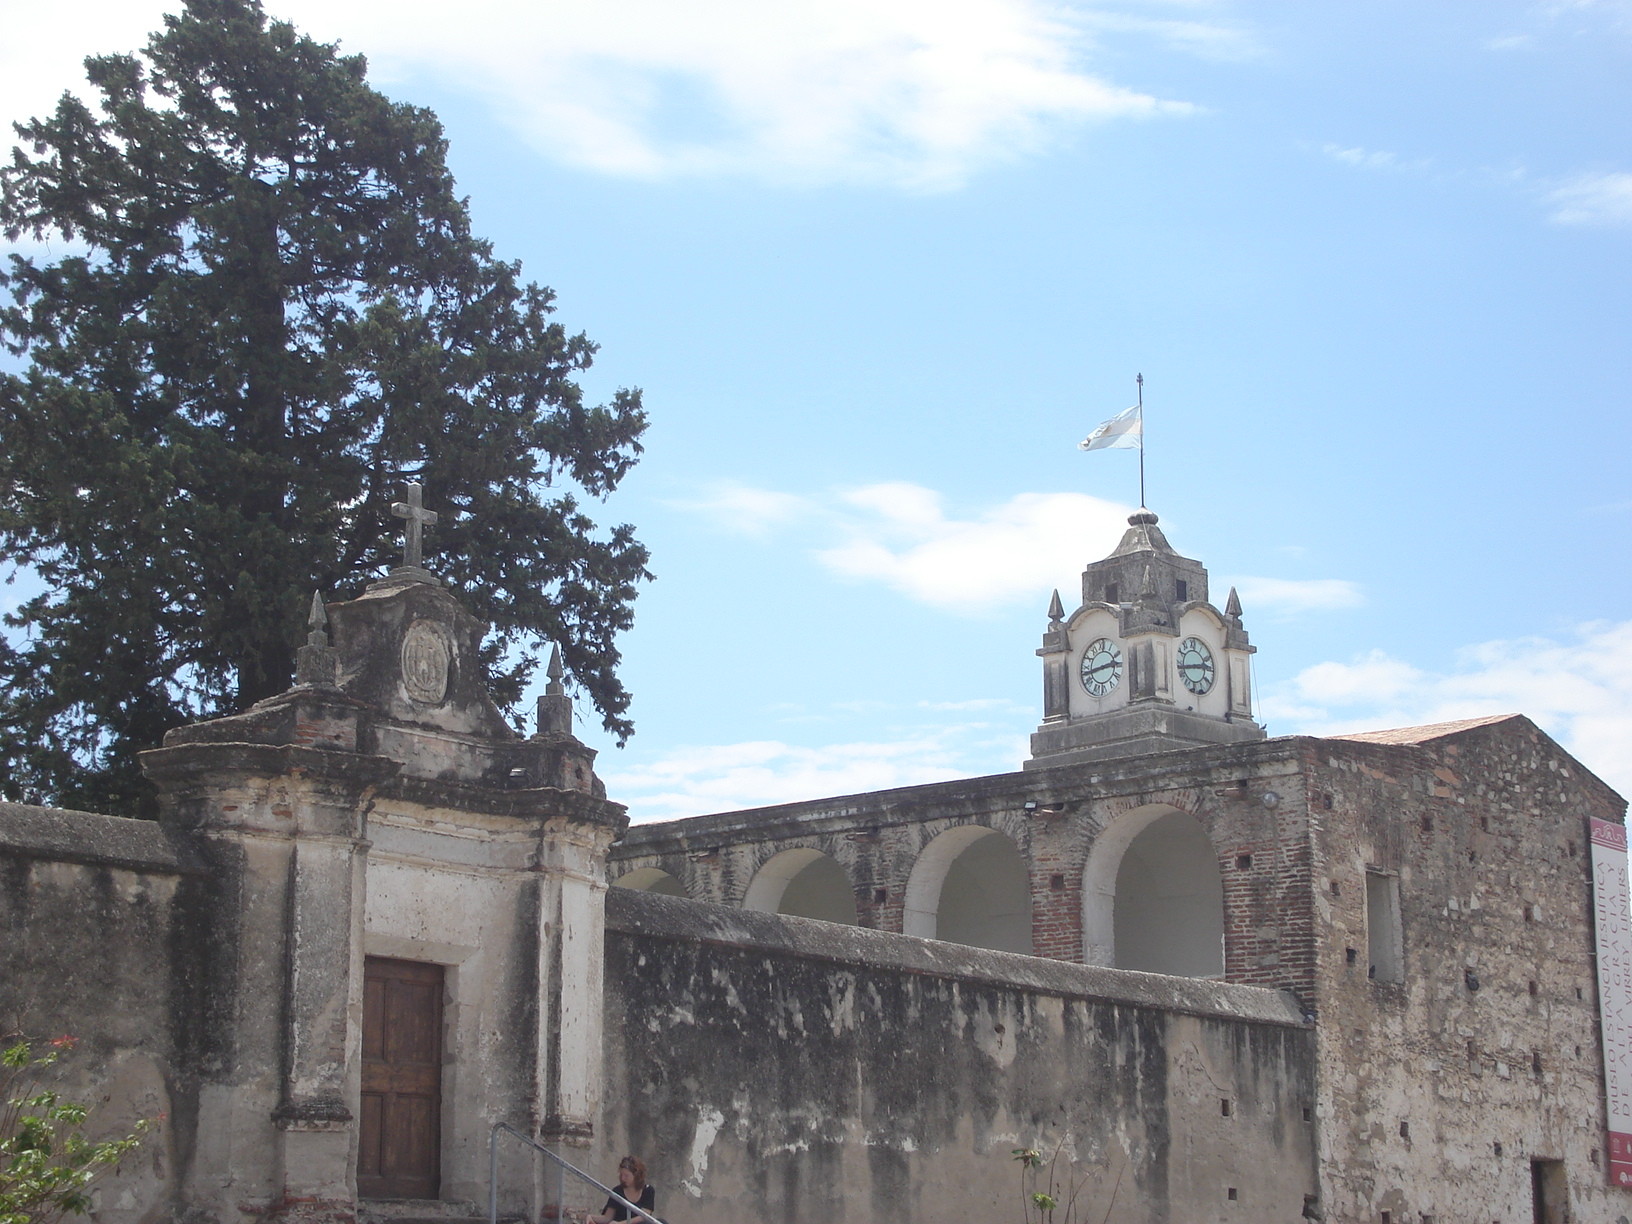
(1124, 431)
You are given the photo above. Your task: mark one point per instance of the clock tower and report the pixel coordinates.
(1146, 664)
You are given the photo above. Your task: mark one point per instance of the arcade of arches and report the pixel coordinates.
(1152, 895)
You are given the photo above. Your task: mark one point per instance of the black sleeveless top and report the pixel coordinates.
(647, 1199)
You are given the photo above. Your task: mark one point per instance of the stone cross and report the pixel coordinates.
(418, 518)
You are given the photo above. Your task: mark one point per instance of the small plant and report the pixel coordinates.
(47, 1164)
(1046, 1201)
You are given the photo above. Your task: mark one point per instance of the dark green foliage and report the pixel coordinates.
(272, 313)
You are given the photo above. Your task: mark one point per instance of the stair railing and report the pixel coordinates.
(639, 1214)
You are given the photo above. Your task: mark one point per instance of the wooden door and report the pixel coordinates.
(400, 1144)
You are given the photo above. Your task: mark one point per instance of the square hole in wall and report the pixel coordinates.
(1225, 1109)
(1308, 1114)
(880, 895)
(1534, 990)
(1351, 955)
(1427, 824)
(1057, 882)
(1405, 1130)
(1243, 862)
(1230, 1194)
(1337, 889)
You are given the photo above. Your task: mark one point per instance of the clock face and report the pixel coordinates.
(1101, 666)
(1195, 665)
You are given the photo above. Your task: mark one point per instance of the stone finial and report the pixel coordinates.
(1056, 609)
(555, 707)
(418, 518)
(315, 662)
(1232, 607)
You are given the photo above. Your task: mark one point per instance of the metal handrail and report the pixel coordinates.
(638, 1213)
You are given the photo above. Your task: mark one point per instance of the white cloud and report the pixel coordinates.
(1378, 160)
(697, 780)
(1601, 198)
(1593, 199)
(1367, 159)
(912, 93)
(1579, 690)
(743, 510)
(1212, 40)
(45, 45)
(1287, 597)
(900, 535)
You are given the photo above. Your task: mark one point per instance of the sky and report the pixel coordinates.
(879, 265)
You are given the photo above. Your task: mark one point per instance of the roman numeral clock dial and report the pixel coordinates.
(1101, 667)
(1196, 665)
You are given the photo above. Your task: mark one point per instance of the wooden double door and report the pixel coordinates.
(399, 1152)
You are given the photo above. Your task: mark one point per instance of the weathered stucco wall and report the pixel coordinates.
(1439, 1089)
(781, 1068)
(100, 920)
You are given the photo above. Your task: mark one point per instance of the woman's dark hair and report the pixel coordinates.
(637, 1166)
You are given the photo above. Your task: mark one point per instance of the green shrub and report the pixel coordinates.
(47, 1164)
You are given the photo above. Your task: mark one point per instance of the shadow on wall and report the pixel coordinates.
(804, 883)
(1153, 897)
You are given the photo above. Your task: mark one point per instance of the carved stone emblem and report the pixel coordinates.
(425, 662)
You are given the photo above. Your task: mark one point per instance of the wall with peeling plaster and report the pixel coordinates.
(1440, 1089)
(1434, 1093)
(99, 918)
(770, 1066)
(780, 1068)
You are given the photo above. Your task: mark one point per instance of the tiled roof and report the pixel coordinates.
(1418, 735)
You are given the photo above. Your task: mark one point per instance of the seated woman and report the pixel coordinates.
(632, 1186)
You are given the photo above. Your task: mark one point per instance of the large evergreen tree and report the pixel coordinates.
(269, 312)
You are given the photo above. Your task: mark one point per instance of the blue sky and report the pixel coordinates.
(879, 265)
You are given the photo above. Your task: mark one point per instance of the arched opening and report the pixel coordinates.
(970, 886)
(650, 879)
(805, 883)
(1153, 898)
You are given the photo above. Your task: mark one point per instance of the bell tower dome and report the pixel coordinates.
(1146, 664)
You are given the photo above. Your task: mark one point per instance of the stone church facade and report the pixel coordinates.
(1205, 974)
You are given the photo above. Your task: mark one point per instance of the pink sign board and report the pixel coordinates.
(1612, 922)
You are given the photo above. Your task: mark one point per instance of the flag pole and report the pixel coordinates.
(1140, 379)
